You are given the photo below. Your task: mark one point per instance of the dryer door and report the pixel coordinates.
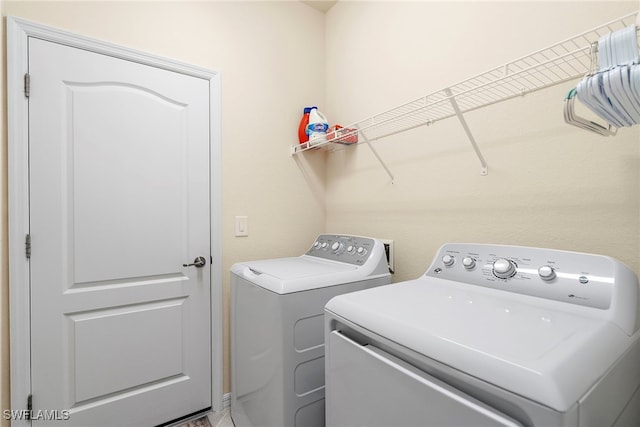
(369, 387)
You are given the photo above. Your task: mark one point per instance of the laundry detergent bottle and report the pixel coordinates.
(302, 128)
(317, 127)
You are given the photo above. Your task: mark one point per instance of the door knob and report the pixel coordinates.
(198, 262)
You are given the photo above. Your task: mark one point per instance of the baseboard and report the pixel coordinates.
(226, 400)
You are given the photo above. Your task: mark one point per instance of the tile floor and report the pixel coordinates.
(212, 419)
(221, 419)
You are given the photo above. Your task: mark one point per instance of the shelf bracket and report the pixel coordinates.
(375, 153)
(463, 122)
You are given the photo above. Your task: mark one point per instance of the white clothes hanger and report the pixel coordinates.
(613, 92)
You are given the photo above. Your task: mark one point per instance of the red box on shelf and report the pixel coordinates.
(341, 135)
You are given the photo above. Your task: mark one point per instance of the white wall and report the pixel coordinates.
(549, 184)
(261, 50)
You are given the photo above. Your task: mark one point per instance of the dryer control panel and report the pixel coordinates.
(584, 279)
(350, 249)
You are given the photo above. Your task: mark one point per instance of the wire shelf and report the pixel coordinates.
(564, 61)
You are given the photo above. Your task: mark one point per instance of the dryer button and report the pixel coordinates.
(469, 263)
(546, 273)
(448, 260)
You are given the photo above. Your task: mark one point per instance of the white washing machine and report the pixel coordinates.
(489, 336)
(277, 327)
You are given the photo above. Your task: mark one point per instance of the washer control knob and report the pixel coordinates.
(468, 262)
(316, 245)
(351, 249)
(504, 268)
(448, 260)
(324, 245)
(361, 251)
(337, 247)
(546, 272)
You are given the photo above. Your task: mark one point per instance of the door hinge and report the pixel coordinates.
(29, 406)
(27, 246)
(27, 85)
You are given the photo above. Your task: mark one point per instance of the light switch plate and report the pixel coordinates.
(242, 226)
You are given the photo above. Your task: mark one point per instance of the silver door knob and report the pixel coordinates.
(199, 262)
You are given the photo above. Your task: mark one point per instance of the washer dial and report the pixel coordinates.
(468, 262)
(448, 260)
(504, 268)
(546, 272)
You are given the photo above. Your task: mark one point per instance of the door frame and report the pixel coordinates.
(18, 32)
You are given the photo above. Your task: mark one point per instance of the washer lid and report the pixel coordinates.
(527, 345)
(286, 275)
(297, 268)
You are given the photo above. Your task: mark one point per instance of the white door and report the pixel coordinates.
(119, 201)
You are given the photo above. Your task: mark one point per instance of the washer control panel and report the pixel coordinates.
(572, 277)
(351, 249)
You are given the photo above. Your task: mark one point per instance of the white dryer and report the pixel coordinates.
(489, 336)
(277, 327)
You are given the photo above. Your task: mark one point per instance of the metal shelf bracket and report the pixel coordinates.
(465, 126)
(375, 153)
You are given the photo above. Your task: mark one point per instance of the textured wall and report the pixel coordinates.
(549, 184)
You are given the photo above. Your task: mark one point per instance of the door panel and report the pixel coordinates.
(133, 322)
(152, 205)
(119, 197)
